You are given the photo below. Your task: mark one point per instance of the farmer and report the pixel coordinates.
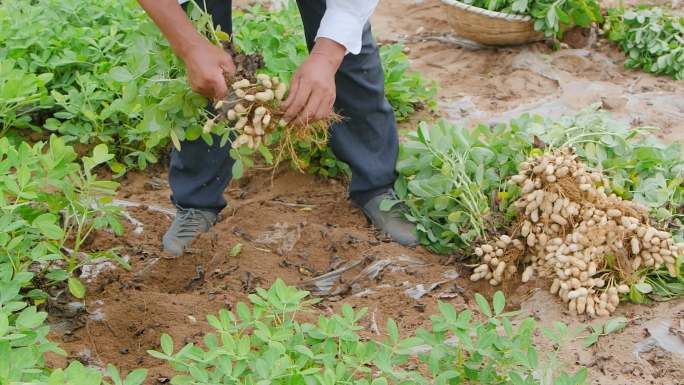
(343, 71)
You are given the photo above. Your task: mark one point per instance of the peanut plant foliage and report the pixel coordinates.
(266, 343)
(101, 72)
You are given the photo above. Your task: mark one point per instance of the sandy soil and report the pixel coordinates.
(301, 226)
(495, 85)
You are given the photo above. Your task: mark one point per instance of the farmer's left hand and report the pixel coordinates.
(312, 90)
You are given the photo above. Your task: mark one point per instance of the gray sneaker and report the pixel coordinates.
(391, 222)
(187, 225)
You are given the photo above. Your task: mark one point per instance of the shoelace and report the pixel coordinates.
(189, 222)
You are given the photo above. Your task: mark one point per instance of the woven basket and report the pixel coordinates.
(489, 27)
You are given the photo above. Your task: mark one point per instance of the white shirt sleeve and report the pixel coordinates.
(344, 20)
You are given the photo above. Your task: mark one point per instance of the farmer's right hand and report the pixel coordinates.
(206, 65)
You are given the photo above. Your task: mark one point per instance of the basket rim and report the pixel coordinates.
(486, 12)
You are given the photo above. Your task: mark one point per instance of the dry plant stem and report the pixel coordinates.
(315, 133)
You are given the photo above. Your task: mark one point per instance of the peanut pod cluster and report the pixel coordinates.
(571, 230)
(253, 112)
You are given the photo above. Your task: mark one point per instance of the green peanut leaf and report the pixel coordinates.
(76, 287)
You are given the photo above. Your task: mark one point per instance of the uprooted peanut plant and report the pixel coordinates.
(590, 242)
(251, 117)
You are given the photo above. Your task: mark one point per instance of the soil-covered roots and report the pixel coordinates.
(570, 229)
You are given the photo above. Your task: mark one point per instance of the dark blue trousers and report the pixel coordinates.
(366, 139)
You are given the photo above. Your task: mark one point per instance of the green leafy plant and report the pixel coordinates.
(279, 349)
(49, 206)
(599, 330)
(652, 39)
(450, 177)
(77, 374)
(551, 17)
(23, 342)
(114, 78)
(23, 335)
(278, 35)
(657, 284)
(266, 343)
(100, 72)
(406, 90)
(493, 351)
(21, 93)
(321, 161)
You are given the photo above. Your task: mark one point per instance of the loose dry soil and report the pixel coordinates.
(300, 226)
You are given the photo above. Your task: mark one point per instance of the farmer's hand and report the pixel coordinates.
(312, 91)
(206, 64)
